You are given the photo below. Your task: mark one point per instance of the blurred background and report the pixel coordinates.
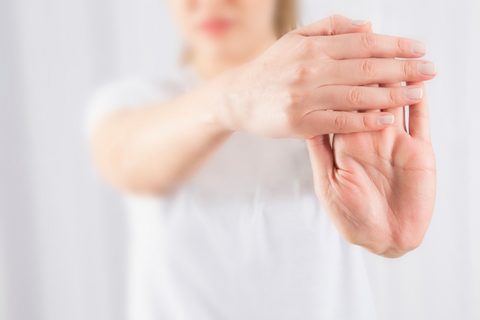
(63, 235)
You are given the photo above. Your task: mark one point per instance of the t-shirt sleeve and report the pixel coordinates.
(122, 94)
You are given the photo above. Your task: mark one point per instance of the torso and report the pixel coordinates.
(246, 238)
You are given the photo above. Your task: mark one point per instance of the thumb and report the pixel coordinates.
(321, 159)
(333, 25)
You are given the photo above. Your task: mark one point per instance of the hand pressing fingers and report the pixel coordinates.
(287, 91)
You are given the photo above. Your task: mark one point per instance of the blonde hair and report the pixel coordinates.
(286, 17)
(285, 21)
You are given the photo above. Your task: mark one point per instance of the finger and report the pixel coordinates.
(419, 125)
(334, 25)
(373, 85)
(319, 122)
(366, 71)
(371, 45)
(348, 98)
(414, 92)
(321, 159)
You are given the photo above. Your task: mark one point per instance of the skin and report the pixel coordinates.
(378, 188)
(301, 76)
(305, 85)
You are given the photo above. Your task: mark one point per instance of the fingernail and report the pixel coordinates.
(386, 119)
(358, 23)
(413, 94)
(427, 68)
(419, 48)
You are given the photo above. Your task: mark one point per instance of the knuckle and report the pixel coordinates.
(355, 96)
(407, 68)
(393, 97)
(295, 97)
(401, 45)
(365, 123)
(305, 44)
(300, 72)
(340, 121)
(369, 68)
(336, 17)
(335, 20)
(330, 32)
(306, 48)
(369, 40)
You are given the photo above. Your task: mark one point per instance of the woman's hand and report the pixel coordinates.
(379, 187)
(287, 91)
(154, 148)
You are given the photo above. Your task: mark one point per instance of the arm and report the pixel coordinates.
(150, 149)
(285, 92)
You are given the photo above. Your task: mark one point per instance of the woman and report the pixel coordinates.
(232, 227)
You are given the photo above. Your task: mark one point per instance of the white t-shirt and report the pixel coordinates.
(245, 239)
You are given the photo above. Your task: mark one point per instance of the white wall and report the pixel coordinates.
(62, 233)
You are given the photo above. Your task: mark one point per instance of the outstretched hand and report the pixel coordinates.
(379, 187)
(286, 91)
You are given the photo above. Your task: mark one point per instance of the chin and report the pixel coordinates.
(224, 52)
(227, 48)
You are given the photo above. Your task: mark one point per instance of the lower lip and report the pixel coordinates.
(215, 27)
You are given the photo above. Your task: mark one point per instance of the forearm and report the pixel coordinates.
(149, 150)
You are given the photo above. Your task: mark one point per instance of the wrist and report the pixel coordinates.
(210, 99)
(228, 99)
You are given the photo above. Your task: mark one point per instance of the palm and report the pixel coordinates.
(380, 191)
